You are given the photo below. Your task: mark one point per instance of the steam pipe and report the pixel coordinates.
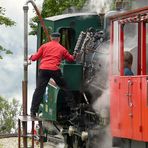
(25, 8)
(40, 18)
(24, 84)
(25, 81)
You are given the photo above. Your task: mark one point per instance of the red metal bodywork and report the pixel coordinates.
(129, 94)
(144, 112)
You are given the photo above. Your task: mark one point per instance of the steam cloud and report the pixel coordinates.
(103, 138)
(98, 5)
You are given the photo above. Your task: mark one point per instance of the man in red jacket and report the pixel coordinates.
(50, 55)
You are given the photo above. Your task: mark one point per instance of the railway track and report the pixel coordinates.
(55, 139)
(8, 135)
(52, 141)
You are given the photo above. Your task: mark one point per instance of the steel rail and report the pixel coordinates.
(8, 135)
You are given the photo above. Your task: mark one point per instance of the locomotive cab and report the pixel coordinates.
(129, 94)
(73, 113)
(69, 26)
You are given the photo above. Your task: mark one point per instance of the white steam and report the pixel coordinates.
(102, 102)
(61, 145)
(139, 3)
(98, 5)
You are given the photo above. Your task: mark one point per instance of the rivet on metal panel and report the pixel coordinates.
(130, 114)
(140, 128)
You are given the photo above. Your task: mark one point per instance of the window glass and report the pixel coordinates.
(67, 38)
(115, 50)
(131, 42)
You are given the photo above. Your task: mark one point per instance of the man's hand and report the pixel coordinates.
(30, 58)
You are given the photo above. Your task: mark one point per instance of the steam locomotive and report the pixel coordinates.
(82, 34)
(86, 35)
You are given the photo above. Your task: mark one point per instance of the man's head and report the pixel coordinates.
(128, 59)
(55, 36)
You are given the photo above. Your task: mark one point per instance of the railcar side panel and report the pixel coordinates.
(125, 109)
(114, 104)
(135, 106)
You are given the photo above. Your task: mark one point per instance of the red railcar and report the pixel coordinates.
(129, 94)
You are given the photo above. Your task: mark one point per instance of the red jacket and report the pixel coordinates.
(51, 54)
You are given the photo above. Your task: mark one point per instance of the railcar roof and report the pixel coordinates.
(131, 13)
(63, 16)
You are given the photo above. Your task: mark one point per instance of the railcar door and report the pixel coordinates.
(135, 105)
(125, 108)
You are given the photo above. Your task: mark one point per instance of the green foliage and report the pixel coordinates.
(8, 114)
(5, 20)
(2, 49)
(55, 7)
(112, 6)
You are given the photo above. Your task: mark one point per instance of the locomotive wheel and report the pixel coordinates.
(68, 141)
(78, 143)
(75, 142)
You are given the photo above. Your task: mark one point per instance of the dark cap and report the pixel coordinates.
(55, 34)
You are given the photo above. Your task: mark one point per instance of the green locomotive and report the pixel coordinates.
(80, 34)
(85, 35)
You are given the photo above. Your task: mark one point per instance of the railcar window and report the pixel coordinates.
(131, 42)
(116, 53)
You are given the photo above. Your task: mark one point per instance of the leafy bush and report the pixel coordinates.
(9, 111)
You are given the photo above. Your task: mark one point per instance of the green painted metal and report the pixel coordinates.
(72, 74)
(49, 105)
(77, 22)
